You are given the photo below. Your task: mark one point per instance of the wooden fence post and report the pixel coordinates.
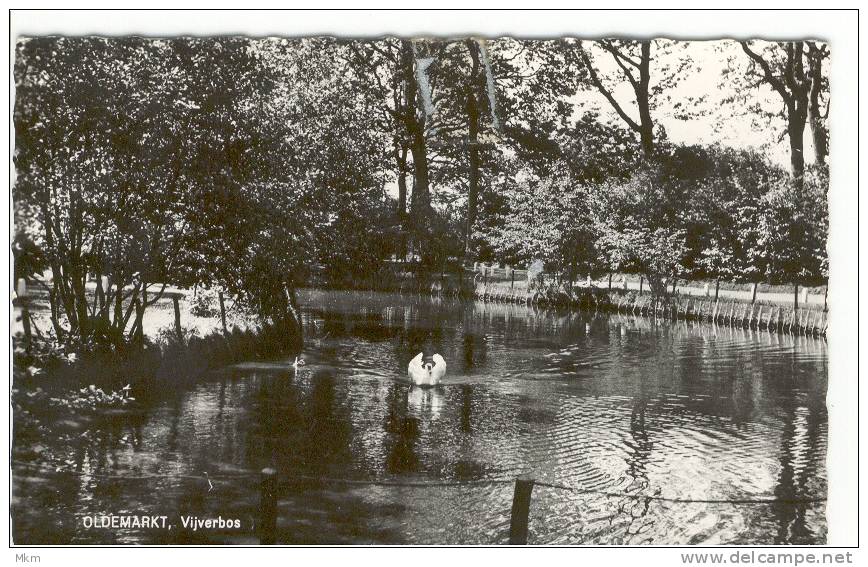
(716, 290)
(796, 297)
(176, 304)
(268, 507)
(610, 280)
(753, 293)
(641, 284)
(520, 509)
(222, 311)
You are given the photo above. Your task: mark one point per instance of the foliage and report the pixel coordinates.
(640, 223)
(548, 220)
(793, 228)
(254, 164)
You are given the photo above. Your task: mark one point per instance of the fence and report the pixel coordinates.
(801, 313)
(497, 274)
(272, 489)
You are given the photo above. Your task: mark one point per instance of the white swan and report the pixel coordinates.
(426, 373)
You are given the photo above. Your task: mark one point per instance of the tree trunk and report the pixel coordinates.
(472, 144)
(796, 133)
(646, 124)
(420, 203)
(401, 161)
(819, 133)
(414, 121)
(293, 315)
(797, 110)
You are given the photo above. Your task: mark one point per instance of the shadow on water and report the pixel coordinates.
(628, 407)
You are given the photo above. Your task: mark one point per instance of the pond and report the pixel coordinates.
(638, 432)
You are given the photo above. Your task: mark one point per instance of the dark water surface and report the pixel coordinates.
(619, 408)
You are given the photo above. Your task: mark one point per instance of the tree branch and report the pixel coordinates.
(597, 83)
(767, 72)
(618, 56)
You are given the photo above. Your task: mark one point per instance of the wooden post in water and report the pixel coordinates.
(176, 304)
(716, 289)
(796, 297)
(753, 293)
(222, 311)
(518, 520)
(610, 281)
(641, 284)
(268, 507)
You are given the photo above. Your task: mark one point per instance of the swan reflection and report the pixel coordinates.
(425, 402)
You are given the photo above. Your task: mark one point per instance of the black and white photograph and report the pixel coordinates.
(447, 289)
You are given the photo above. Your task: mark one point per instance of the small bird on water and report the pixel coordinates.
(427, 368)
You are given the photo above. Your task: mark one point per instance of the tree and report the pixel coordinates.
(641, 226)
(637, 72)
(723, 228)
(98, 173)
(377, 68)
(818, 98)
(635, 61)
(548, 220)
(189, 162)
(794, 71)
(792, 228)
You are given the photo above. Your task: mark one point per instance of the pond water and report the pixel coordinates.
(612, 410)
